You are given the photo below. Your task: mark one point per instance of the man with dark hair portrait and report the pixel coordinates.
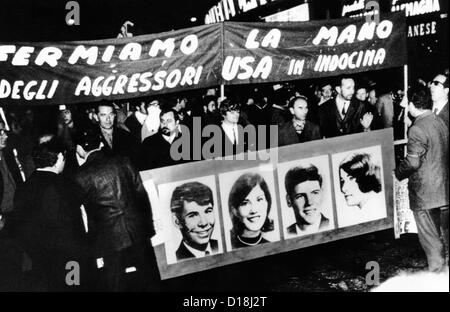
(305, 196)
(192, 207)
(426, 167)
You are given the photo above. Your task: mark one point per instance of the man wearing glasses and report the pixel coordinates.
(439, 95)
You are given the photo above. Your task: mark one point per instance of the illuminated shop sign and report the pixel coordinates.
(299, 13)
(417, 8)
(414, 8)
(226, 9)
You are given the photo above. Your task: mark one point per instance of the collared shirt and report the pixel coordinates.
(437, 108)
(199, 253)
(309, 229)
(108, 135)
(231, 131)
(299, 125)
(340, 103)
(171, 138)
(140, 117)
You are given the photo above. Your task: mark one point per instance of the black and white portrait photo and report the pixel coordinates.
(359, 186)
(249, 207)
(305, 196)
(192, 213)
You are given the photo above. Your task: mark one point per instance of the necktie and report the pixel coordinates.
(207, 253)
(343, 110)
(234, 136)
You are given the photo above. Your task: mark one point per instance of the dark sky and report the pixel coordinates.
(44, 20)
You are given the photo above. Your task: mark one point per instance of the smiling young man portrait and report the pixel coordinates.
(192, 207)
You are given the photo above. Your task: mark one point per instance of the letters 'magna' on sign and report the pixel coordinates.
(199, 57)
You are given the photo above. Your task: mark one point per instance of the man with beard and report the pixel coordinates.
(304, 195)
(346, 114)
(192, 207)
(155, 150)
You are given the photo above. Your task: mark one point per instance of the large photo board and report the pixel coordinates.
(218, 212)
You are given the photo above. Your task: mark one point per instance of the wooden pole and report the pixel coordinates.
(405, 89)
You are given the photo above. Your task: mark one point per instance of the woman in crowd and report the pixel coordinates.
(360, 183)
(249, 205)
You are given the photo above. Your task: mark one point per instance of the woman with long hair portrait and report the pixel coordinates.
(249, 206)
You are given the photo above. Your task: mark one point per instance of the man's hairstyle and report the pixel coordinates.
(420, 96)
(295, 98)
(228, 105)
(239, 191)
(89, 139)
(298, 175)
(208, 98)
(325, 83)
(190, 192)
(344, 77)
(46, 154)
(105, 103)
(166, 110)
(446, 79)
(362, 86)
(364, 170)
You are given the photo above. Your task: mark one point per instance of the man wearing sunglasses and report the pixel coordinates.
(439, 95)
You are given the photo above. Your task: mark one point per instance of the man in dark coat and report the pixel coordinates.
(345, 114)
(426, 166)
(439, 94)
(118, 212)
(155, 150)
(47, 222)
(298, 130)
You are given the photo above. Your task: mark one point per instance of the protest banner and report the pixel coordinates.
(229, 53)
(204, 202)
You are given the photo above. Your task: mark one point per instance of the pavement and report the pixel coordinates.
(338, 266)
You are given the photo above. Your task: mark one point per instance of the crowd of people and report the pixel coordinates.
(70, 188)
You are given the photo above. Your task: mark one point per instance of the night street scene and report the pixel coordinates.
(233, 148)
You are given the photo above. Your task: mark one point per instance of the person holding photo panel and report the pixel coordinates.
(304, 195)
(249, 204)
(360, 183)
(192, 206)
